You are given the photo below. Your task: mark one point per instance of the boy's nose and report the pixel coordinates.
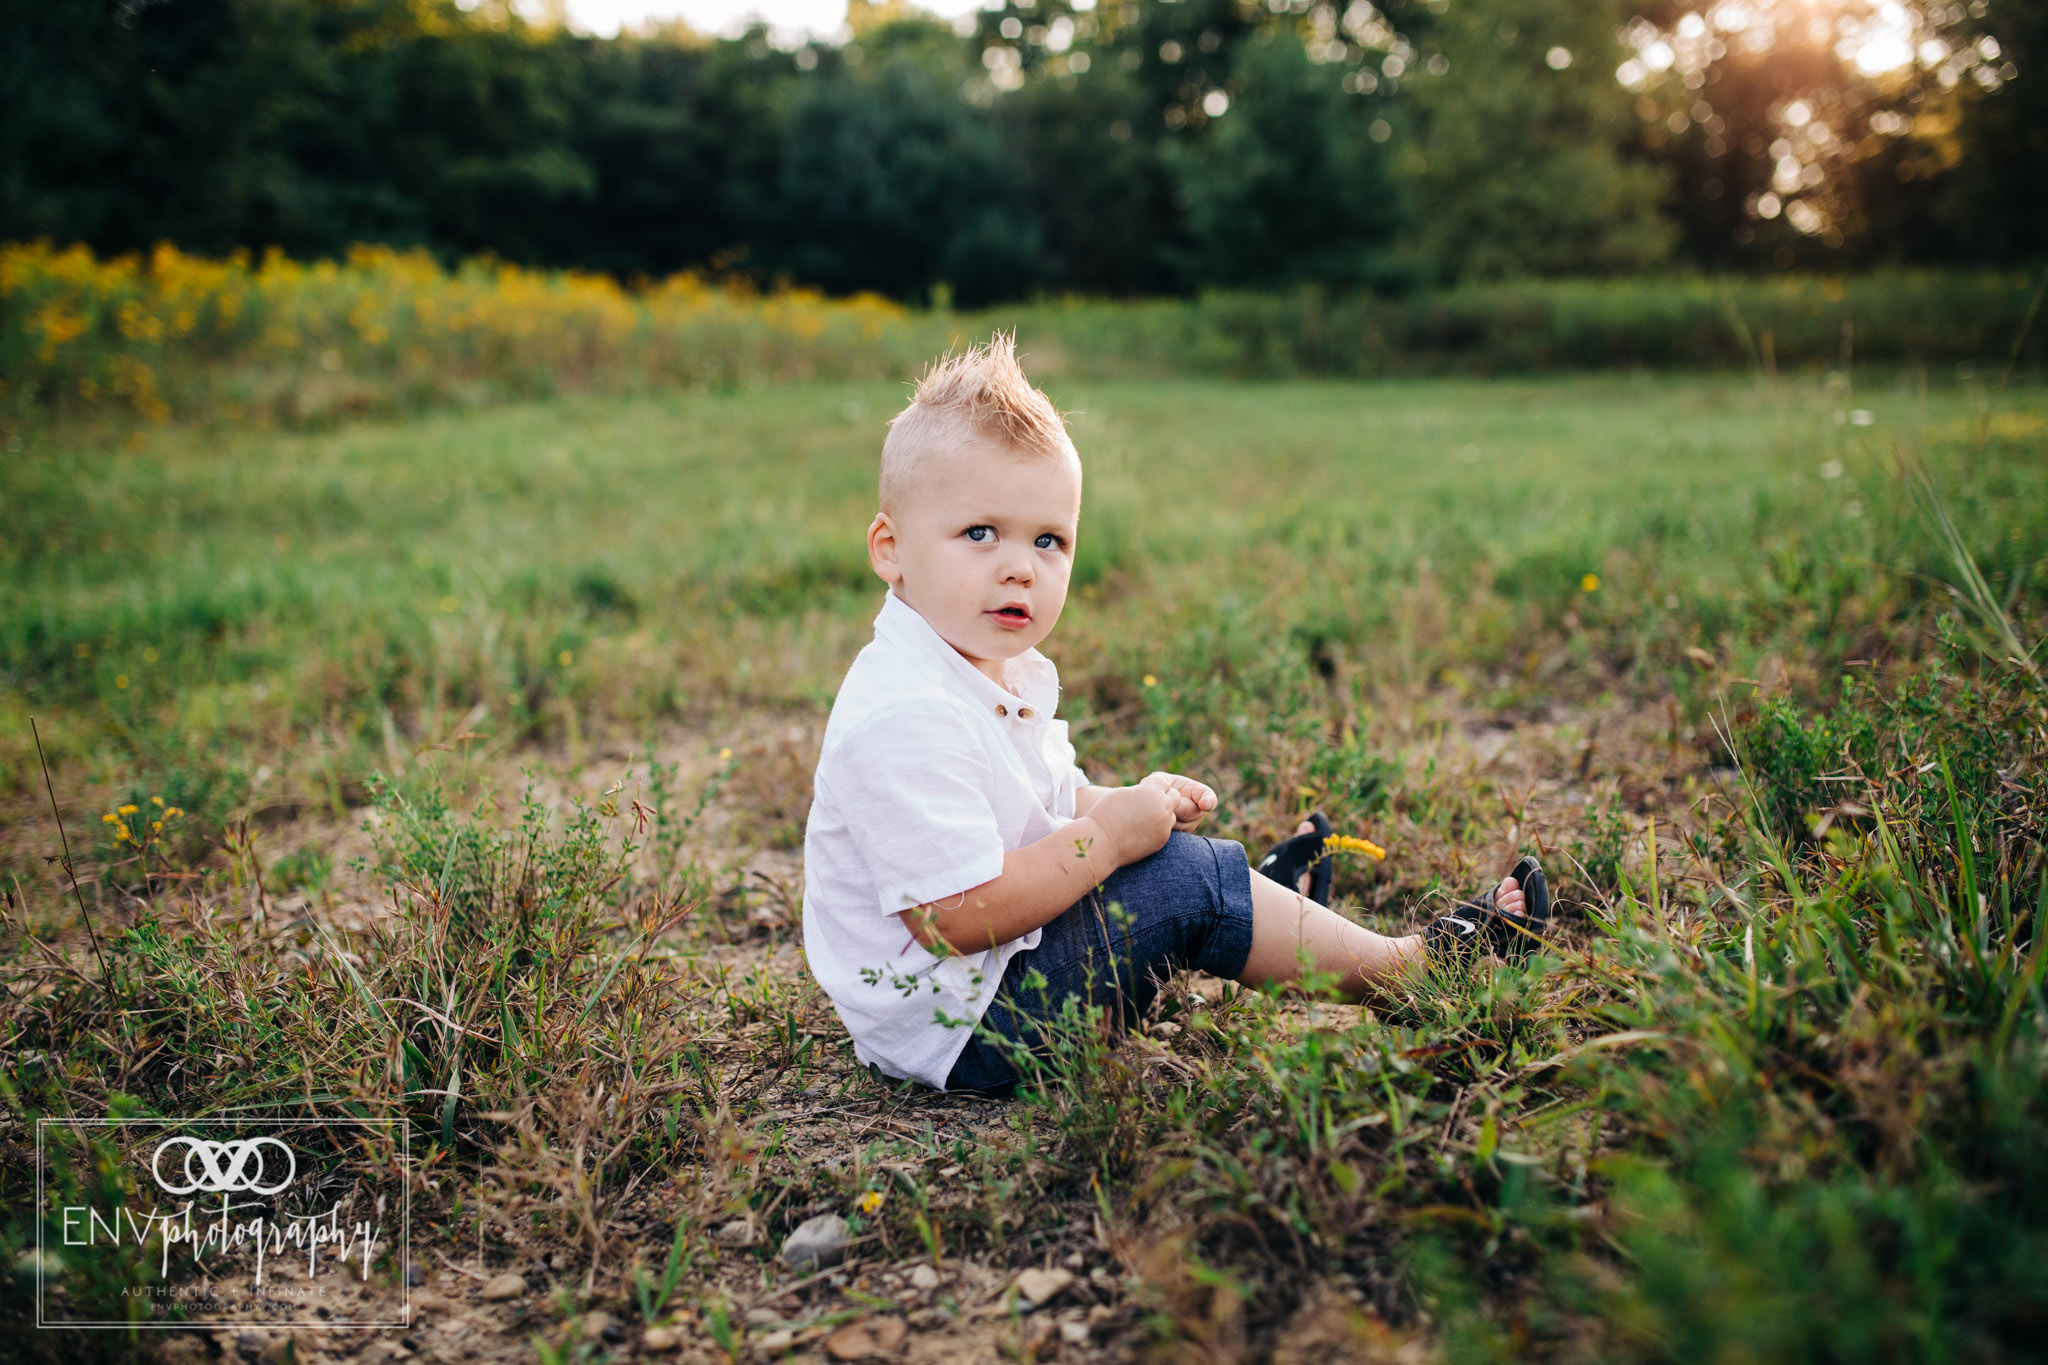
(1017, 569)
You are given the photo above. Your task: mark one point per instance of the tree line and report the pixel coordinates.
(1113, 147)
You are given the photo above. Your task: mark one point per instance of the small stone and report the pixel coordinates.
(1074, 1332)
(558, 1263)
(1100, 1314)
(277, 1351)
(740, 1232)
(415, 1274)
(661, 1339)
(602, 1326)
(248, 1345)
(509, 1285)
(1040, 1287)
(426, 1301)
(861, 1340)
(775, 1343)
(817, 1242)
(1075, 1262)
(925, 1278)
(762, 1317)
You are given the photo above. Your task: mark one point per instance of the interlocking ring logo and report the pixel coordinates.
(224, 1166)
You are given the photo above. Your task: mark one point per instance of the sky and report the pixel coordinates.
(820, 17)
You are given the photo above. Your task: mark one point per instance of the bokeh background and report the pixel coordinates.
(1126, 149)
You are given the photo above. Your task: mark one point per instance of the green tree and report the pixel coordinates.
(1286, 183)
(1518, 162)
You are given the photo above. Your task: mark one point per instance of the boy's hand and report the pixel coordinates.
(1192, 800)
(1136, 820)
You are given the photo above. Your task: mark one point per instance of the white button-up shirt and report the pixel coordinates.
(928, 775)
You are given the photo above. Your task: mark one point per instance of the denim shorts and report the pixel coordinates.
(1187, 906)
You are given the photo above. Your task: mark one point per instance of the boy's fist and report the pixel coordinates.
(1192, 800)
(1136, 820)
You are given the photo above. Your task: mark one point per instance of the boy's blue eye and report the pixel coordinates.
(1048, 541)
(980, 534)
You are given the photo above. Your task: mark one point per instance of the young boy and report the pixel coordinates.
(955, 854)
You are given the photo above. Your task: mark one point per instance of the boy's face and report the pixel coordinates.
(983, 549)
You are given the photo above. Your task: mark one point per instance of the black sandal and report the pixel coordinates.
(1304, 853)
(1478, 924)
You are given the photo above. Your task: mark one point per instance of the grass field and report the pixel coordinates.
(1777, 1093)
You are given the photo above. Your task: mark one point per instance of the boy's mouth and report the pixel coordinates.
(1013, 616)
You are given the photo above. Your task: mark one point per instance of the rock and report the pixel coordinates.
(426, 1301)
(775, 1343)
(277, 1351)
(661, 1339)
(740, 1232)
(817, 1242)
(248, 1345)
(925, 1278)
(762, 1317)
(558, 1263)
(598, 1325)
(871, 1337)
(415, 1274)
(509, 1285)
(1040, 1287)
(1074, 1332)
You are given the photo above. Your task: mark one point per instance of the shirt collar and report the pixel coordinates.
(1036, 682)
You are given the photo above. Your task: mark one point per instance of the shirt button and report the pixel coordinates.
(1024, 713)
(1002, 710)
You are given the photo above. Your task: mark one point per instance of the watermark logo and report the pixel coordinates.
(222, 1223)
(223, 1165)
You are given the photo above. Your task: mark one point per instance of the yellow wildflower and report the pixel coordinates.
(157, 801)
(1151, 681)
(724, 754)
(566, 657)
(172, 812)
(1344, 843)
(871, 1201)
(128, 809)
(1590, 583)
(110, 819)
(121, 681)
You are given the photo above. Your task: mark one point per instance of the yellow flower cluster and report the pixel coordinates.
(124, 831)
(1344, 843)
(172, 334)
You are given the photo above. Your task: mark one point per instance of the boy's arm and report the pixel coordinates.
(1039, 881)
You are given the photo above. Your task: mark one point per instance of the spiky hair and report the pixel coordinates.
(978, 397)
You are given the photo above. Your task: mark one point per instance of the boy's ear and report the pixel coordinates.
(882, 549)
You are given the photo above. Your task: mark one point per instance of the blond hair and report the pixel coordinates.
(977, 397)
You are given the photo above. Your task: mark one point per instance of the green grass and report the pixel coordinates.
(1778, 1094)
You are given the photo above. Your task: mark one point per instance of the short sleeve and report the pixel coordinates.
(913, 789)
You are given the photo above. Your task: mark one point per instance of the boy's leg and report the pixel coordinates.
(1286, 922)
(1188, 905)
